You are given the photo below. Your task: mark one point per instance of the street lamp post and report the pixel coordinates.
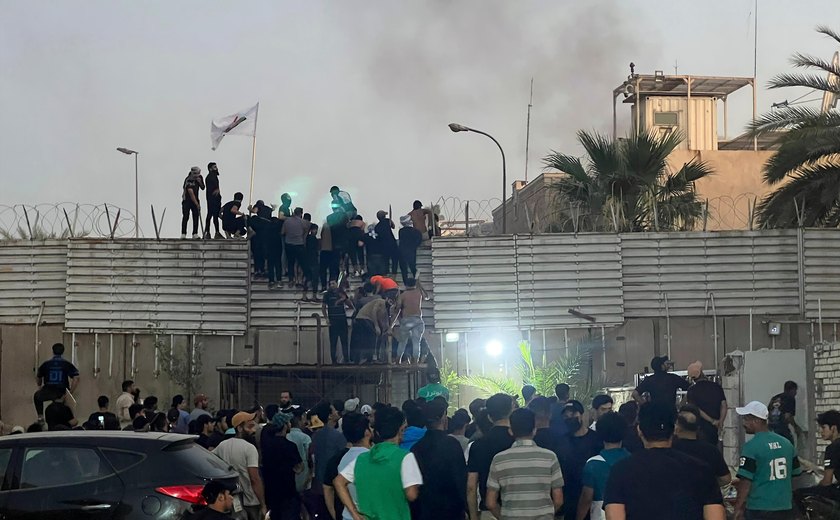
(455, 127)
(136, 191)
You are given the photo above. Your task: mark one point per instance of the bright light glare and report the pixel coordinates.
(494, 348)
(452, 337)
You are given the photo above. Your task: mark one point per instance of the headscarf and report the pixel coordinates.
(405, 221)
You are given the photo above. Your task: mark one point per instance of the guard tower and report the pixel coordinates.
(689, 104)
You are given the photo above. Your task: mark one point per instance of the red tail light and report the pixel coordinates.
(191, 493)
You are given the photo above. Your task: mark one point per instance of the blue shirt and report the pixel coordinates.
(597, 470)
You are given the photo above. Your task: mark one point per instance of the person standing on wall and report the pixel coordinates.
(661, 386)
(214, 200)
(190, 205)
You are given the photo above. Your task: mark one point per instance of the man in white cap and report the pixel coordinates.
(768, 463)
(241, 454)
(350, 405)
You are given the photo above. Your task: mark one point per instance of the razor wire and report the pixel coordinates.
(458, 215)
(64, 220)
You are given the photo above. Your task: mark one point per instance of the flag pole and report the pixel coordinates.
(253, 161)
(253, 156)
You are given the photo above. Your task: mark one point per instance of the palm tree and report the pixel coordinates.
(571, 369)
(806, 167)
(626, 185)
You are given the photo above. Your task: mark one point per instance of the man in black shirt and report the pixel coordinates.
(219, 502)
(204, 425)
(482, 451)
(710, 400)
(214, 200)
(108, 418)
(576, 447)
(829, 423)
(273, 242)
(409, 240)
(339, 234)
(661, 386)
(55, 377)
(659, 482)
(630, 412)
(280, 463)
(782, 412)
(59, 414)
(190, 204)
(441, 461)
(233, 219)
(544, 436)
(333, 308)
(385, 235)
(561, 391)
(686, 433)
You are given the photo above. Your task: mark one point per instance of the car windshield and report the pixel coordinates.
(197, 460)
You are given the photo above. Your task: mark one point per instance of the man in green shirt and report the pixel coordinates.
(387, 477)
(768, 463)
(434, 388)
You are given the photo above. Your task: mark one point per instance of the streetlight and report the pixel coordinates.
(136, 196)
(455, 127)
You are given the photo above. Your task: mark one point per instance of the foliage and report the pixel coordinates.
(451, 380)
(805, 169)
(570, 369)
(183, 370)
(626, 185)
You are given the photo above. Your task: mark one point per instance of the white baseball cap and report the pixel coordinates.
(754, 408)
(350, 405)
(366, 409)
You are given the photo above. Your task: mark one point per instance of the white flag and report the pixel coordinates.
(241, 123)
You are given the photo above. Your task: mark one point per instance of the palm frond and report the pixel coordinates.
(828, 31)
(490, 385)
(802, 80)
(814, 192)
(813, 62)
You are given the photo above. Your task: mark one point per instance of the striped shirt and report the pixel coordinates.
(525, 474)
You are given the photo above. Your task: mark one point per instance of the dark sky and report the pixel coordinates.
(351, 93)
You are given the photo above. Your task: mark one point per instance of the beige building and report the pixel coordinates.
(661, 105)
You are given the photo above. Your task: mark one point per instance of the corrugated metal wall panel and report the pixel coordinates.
(170, 286)
(32, 272)
(475, 283)
(822, 273)
(743, 270)
(561, 272)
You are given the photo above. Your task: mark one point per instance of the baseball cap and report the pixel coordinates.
(658, 362)
(315, 423)
(574, 405)
(366, 409)
(213, 489)
(754, 408)
(198, 398)
(18, 429)
(242, 417)
(350, 405)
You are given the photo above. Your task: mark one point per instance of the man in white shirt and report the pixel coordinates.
(124, 402)
(241, 454)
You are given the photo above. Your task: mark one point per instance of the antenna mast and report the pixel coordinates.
(528, 129)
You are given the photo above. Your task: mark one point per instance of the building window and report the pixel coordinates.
(666, 118)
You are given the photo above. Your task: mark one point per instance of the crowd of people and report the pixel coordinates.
(506, 457)
(286, 243)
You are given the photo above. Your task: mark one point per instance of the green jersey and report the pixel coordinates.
(769, 461)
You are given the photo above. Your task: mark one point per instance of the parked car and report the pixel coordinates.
(99, 475)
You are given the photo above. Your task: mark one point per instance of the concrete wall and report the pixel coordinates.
(826, 383)
(17, 367)
(629, 347)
